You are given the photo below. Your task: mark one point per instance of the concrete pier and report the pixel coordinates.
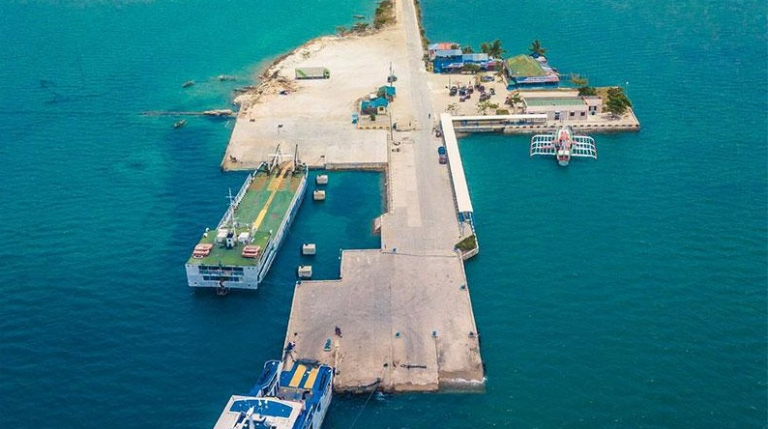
(387, 306)
(403, 312)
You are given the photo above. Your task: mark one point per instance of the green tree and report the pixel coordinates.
(483, 106)
(579, 80)
(493, 49)
(513, 100)
(470, 68)
(468, 50)
(536, 48)
(618, 93)
(360, 27)
(384, 14)
(615, 107)
(587, 90)
(617, 103)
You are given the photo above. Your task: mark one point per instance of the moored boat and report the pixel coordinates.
(297, 398)
(239, 252)
(563, 145)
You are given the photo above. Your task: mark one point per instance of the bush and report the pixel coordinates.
(467, 244)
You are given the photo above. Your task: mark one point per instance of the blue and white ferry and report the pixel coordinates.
(282, 399)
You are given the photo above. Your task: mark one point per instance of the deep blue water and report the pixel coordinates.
(626, 292)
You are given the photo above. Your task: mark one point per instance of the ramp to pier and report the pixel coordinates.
(460, 189)
(403, 328)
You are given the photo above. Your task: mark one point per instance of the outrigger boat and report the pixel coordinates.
(297, 398)
(563, 144)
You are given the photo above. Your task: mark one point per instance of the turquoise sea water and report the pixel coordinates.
(626, 292)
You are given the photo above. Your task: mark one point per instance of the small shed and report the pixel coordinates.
(312, 73)
(377, 106)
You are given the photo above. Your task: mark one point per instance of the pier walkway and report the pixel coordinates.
(404, 310)
(460, 189)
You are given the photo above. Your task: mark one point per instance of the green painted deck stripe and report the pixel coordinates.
(250, 206)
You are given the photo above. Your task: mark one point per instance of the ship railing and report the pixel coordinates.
(225, 220)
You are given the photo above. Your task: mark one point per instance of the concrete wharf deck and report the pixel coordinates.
(404, 310)
(406, 323)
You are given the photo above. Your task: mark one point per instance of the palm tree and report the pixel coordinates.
(467, 50)
(493, 49)
(536, 48)
(513, 99)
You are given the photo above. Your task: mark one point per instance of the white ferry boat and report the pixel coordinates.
(282, 399)
(563, 145)
(239, 251)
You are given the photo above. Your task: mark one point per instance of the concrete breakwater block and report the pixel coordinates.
(305, 271)
(308, 249)
(321, 179)
(318, 195)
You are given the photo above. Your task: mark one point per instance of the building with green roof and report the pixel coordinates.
(525, 71)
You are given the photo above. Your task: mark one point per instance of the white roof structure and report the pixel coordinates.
(501, 117)
(460, 189)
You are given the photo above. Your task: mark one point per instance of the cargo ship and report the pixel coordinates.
(282, 399)
(238, 253)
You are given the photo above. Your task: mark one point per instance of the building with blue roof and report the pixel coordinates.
(454, 60)
(388, 92)
(376, 106)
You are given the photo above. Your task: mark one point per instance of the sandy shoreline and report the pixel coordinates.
(317, 114)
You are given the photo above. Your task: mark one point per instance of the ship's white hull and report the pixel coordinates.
(247, 277)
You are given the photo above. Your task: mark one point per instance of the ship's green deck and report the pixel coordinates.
(260, 212)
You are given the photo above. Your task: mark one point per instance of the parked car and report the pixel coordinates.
(391, 78)
(452, 92)
(442, 155)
